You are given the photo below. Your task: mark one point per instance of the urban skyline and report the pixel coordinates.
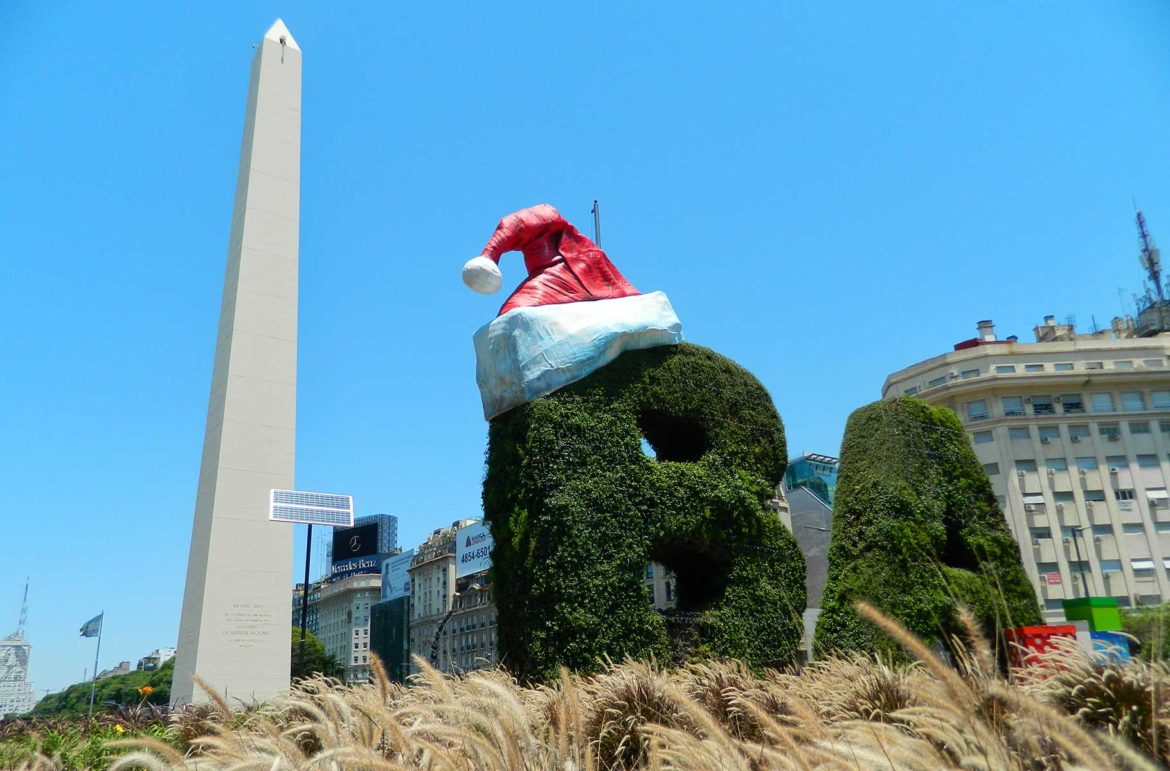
(868, 209)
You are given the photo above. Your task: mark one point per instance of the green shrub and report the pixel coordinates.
(916, 529)
(577, 510)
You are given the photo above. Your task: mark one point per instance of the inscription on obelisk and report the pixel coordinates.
(234, 633)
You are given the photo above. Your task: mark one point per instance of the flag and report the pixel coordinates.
(93, 627)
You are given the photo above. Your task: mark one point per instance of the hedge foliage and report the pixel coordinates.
(916, 529)
(577, 509)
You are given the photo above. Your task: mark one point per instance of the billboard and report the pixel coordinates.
(473, 549)
(348, 567)
(310, 508)
(350, 542)
(395, 576)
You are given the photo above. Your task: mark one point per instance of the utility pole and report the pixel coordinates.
(1076, 531)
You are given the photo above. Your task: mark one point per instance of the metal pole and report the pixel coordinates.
(1080, 562)
(305, 596)
(96, 653)
(1080, 531)
(596, 222)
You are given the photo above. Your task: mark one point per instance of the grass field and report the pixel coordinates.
(847, 713)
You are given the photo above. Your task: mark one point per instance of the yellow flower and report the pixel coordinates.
(119, 729)
(146, 690)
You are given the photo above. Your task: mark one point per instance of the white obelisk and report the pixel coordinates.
(235, 630)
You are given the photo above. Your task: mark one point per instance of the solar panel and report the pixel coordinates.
(311, 508)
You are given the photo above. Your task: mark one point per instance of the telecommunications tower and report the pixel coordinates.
(16, 693)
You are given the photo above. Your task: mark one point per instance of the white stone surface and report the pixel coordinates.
(234, 631)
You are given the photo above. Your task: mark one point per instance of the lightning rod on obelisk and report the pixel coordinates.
(234, 633)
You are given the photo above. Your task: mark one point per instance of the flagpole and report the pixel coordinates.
(93, 686)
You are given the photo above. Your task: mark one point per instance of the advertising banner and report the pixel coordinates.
(352, 542)
(343, 568)
(473, 549)
(395, 576)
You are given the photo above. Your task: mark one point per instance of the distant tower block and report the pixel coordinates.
(235, 631)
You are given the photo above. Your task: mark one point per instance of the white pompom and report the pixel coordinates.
(482, 275)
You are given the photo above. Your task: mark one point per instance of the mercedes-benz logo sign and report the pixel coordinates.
(355, 543)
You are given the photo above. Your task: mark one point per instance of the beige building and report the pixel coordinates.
(432, 595)
(1074, 433)
(341, 609)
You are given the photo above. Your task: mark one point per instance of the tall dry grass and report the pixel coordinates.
(841, 713)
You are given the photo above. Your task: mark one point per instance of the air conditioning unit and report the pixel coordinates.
(1029, 507)
(1035, 541)
(1051, 472)
(1045, 440)
(1020, 474)
(953, 374)
(1057, 398)
(1066, 541)
(1027, 400)
(1097, 538)
(1074, 438)
(1082, 471)
(1060, 507)
(1089, 505)
(1113, 469)
(1112, 437)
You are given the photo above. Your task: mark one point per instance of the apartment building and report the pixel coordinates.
(1074, 433)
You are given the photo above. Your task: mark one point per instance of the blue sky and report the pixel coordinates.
(827, 191)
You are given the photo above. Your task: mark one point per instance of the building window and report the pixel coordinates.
(1109, 431)
(1160, 400)
(1013, 406)
(1124, 494)
(1078, 432)
(1056, 464)
(1062, 367)
(967, 374)
(1005, 369)
(1042, 405)
(1019, 434)
(1073, 404)
(1094, 365)
(1133, 528)
(991, 469)
(1110, 566)
(977, 410)
(1063, 496)
(1132, 401)
(1049, 434)
(911, 391)
(982, 437)
(1102, 402)
(1153, 363)
(938, 381)
(1095, 496)
(1102, 530)
(1164, 426)
(1033, 367)
(1026, 465)
(1087, 464)
(1041, 532)
(1123, 365)
(1147, 461)
(1139, 427)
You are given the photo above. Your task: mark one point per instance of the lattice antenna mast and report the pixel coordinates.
(1150, 258)
(23, 611)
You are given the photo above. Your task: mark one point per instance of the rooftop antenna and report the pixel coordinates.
(23, 611)
(1150, 259)
(596, 222)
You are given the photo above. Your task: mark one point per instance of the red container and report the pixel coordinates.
(1025, 642)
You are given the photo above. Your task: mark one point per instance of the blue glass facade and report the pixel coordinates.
(817, 473)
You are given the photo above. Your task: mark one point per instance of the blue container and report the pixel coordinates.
(1110, 646)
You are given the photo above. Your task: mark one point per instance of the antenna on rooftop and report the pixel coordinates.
(1150, 258)
(596, 222)
(23, 611)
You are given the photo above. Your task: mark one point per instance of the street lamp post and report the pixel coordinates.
(1077, 531)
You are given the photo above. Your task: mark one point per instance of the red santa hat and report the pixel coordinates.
(563, 265)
